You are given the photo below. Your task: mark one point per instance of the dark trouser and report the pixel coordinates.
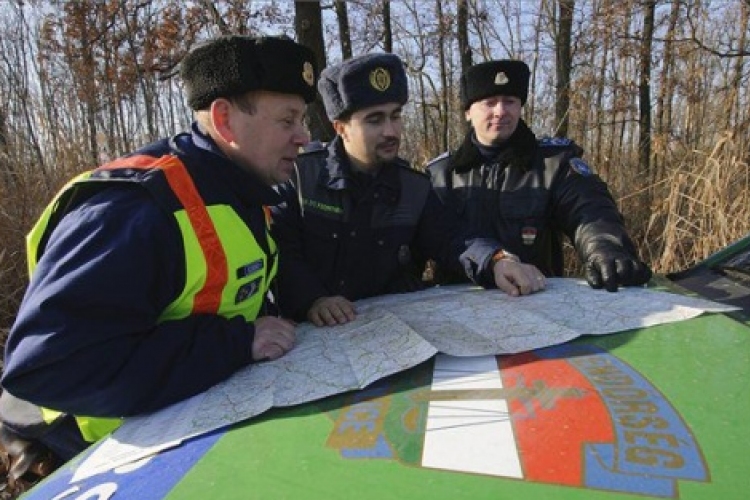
(24, 420)
(30, 448)
(63, 438)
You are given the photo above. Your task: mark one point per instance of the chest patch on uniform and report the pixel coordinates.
(581, 167)
(250, 268)
(333, 209)
(247, 290)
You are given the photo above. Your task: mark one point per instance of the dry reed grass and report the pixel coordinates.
(702, 205)
(23, 199)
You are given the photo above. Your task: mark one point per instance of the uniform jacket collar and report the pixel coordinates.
(337, 174)
(212, 162)
(523, 145)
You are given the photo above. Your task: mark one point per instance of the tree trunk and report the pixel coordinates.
(666, 91)
(309, 28)
(345, 37)
(148, 99)
(443, 106)
(563, 65)
(740, 115)
(464, 48)
(5, 165)
(644, 88)
(600, 154)
(214, 15)
(387, 31)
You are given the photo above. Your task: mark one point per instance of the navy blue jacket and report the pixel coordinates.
(341, 233)
(86, 339)
(530, 196)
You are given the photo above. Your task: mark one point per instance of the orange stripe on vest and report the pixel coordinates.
(208, 299)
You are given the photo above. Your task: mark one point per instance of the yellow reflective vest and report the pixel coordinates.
(215, 240)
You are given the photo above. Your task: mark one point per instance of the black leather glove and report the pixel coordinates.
(610, 267)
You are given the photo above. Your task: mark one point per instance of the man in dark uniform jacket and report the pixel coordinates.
(528, 193)
(357, 220)
(151, 273)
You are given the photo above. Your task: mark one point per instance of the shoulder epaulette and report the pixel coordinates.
(440, 157)
(444, 156)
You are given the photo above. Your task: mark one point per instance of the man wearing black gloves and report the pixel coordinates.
(358, 221)
(527, 193)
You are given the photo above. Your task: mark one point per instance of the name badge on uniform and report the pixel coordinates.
(250, 268)
(528, 235)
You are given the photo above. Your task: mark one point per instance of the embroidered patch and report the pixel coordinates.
(380, 79)
(314, 204)
(555, 141)
(250, 268)
(247, 290)
(580, 166)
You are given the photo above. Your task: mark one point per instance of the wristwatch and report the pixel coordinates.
(504, 255)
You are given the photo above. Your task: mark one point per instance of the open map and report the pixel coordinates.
(393, 333)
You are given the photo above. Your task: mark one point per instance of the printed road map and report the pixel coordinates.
(393, 333)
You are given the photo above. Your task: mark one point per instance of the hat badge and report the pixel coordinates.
(308, 74)
(501, 78)
(380, 79)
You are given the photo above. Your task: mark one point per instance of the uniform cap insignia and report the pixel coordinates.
(501, 78)
(308, 74)
(380, 79)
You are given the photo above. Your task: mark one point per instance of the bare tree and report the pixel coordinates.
(666, 90)
(462, 29)
(345, 38)
(644, 86)
(308, 25)
(443, 26)
(563, 65)
(5, 165)
(215, 16)
(387, 30)
(141, 78)
(739, 117)
(720, 49)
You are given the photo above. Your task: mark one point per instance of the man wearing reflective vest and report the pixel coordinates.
(150, 275)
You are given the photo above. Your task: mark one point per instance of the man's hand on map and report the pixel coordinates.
(331, 311)
(610, 267)
(274, 337)
(516, 278)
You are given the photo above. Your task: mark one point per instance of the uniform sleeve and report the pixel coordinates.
(87, 339)
(299, 286)
(460, 252)
(587, 212)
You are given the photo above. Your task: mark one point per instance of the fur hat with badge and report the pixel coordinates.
(502, 77)
(232, 65)
(361, 82)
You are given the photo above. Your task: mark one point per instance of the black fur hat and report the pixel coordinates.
(232, 65)
(361, 82)
(503, 77)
